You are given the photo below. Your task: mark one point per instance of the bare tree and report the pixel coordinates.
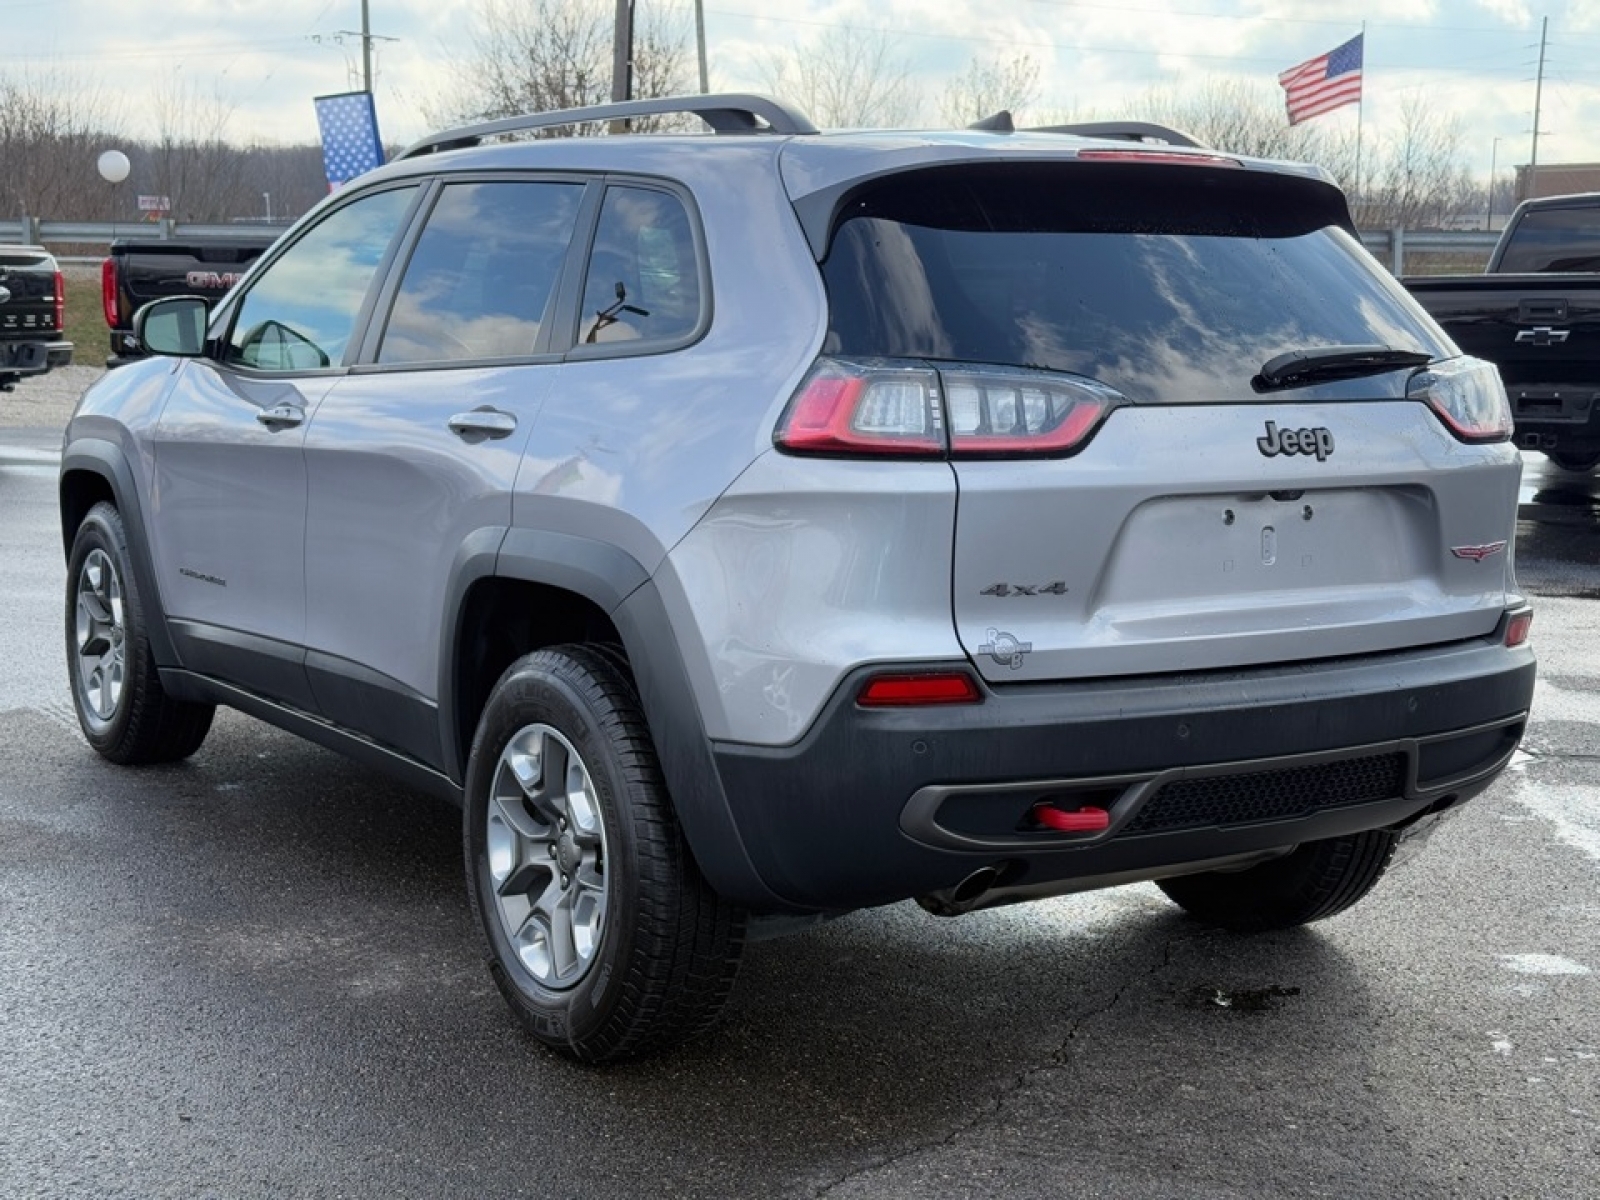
(989, 86)
(538, 55)
(1418, 178)
(1241, 118)
(52, 127)
(846, 79)
(192, 162)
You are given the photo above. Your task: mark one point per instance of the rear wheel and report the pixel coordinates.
(604, 938)
(122, 708)
(1314, 881)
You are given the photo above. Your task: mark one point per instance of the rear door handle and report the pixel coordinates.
(483, 423)
(281, 416)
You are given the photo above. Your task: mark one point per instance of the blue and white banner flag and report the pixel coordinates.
(350, 145)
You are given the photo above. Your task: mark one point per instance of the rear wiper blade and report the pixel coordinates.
(1334, 362)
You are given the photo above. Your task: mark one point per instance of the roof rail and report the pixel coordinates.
(1128, 131)
(734, 112)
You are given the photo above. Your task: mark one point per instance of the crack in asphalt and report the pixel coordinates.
(1060, 1059)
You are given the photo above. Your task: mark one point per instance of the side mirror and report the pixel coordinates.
(175, 325)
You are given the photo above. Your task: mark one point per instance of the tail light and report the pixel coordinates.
(882, 408)
(843, 408)
(108, 293)
(61, 302)
(1467, 395)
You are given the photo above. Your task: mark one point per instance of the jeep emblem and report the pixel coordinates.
(1318, 441)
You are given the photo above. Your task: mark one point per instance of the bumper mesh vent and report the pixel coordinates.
(1270, 795)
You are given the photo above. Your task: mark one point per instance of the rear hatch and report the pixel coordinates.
(30, 305)
(1149, 480)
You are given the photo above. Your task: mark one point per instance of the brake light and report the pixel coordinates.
(61, 302)
(915, 690)
(1467, 395)
(108, 292)
(877, 407)
(1168, 157)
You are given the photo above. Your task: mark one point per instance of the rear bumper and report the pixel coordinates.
(1556, 417)
(876, 806)
(23, 358)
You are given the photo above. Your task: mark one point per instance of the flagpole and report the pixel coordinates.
(1361, 110)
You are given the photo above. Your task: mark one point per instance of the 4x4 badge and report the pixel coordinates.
(1318, 441)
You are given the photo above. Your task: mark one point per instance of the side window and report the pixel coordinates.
(299, 314)
(643, 281)
(482, 274)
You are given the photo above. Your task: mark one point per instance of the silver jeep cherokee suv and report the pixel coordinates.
(749, 528)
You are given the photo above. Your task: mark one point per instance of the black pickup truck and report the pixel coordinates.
(32, 314)
(136, 272)
(1535, 313)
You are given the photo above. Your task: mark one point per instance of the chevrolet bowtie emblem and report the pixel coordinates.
(1543, 335)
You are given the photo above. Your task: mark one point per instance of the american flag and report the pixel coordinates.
(350, 144)
(1324, 83)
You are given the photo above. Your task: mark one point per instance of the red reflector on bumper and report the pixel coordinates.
(1518, 627)
(892, 691)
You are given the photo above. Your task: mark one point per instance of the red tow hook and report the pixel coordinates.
(1087, 819)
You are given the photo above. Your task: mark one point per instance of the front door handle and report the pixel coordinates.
(281, 416)
(483, 423)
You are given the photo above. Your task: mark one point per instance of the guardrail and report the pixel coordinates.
(1390, 246)
(35, 232)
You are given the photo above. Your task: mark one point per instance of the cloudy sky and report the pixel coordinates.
(261, 61)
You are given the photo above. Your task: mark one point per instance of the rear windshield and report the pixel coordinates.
(1554, 239)
(1171, 285)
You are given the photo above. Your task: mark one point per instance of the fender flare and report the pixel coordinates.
(97, 456)
(616, 583)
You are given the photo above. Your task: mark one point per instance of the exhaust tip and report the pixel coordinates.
(953, 902)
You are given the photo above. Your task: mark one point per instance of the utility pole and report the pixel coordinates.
(700, 43)
(367, 50)
(622, 53)
(367, 38)
(1538, 95)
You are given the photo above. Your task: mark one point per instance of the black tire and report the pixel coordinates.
(1314, 881)
(663, 963)
(1573, 460)
(122, 708)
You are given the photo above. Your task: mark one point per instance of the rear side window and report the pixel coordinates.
(483, 272)
(1554, 239)
(1170, 284)
(643, 278)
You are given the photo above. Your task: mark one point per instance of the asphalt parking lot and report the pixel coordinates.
(255, 974)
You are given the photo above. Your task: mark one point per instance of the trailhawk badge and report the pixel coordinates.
(1478, 553)
(1318, 441)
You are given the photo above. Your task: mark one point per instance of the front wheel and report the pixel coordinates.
(1570, 460)
(1313, 881)
(603, 937)
(122, 708)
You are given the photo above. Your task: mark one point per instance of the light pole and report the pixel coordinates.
(1494, 159)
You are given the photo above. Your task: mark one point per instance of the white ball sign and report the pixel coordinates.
(113, 166)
